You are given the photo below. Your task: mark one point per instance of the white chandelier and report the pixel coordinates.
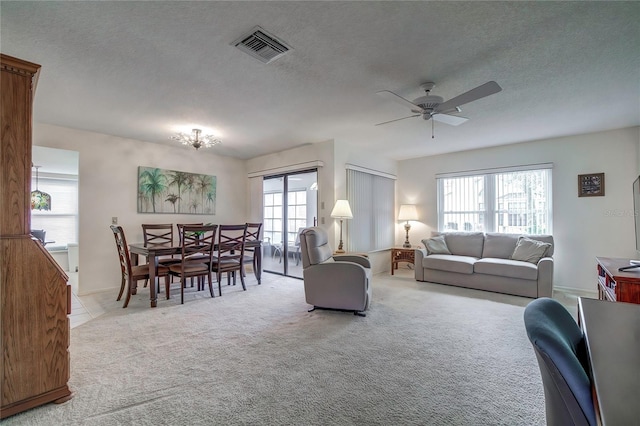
(196, 139)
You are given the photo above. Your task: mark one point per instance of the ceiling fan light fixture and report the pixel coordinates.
(196, 139)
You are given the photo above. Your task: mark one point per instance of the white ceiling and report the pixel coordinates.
(140, 70)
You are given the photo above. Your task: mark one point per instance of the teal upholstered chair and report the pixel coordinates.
(560, 348)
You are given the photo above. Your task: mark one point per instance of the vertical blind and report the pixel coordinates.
(371, 198)
(61, 222)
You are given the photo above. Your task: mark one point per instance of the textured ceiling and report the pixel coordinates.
(141, 70)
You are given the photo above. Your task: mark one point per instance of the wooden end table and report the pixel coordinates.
(401, 254)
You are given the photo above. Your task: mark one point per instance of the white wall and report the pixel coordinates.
(583, 227)
(108, 177)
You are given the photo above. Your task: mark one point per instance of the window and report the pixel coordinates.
(371, 198)
(514, 200)
(61, 222)
(296, 213)
(273, 217)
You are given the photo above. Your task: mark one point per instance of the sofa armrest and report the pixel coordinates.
(360, 260)
(417, 266)
(545, 277)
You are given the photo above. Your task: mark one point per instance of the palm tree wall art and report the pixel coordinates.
(174, 192)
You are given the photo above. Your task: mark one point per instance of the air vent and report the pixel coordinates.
(261, 45)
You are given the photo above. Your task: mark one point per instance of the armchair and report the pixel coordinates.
(333, 282)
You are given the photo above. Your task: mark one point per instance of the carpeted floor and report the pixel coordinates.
(425, 355)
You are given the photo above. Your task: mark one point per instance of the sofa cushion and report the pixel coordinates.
(465, 243)
(450, 263)
(436, 245)
(499, 245)
(545, 239)
(506, 268)
(529, 250)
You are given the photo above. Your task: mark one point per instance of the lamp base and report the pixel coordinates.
(407, 244)
(339, 251)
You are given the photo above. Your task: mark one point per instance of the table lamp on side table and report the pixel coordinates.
(407, 212)
(341, 211)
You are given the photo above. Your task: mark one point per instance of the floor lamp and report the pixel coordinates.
(341, 211)
(407, 212)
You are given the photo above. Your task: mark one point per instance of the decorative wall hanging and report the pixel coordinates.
(591, 185)
(173, 192)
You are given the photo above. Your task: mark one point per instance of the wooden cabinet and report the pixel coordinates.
(35, 296)
(617, 286)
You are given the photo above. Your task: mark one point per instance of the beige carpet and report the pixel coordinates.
(424, 355)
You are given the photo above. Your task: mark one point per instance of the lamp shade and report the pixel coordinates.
(408, 212)
(342, 210)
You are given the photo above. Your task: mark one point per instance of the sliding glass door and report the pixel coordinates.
(290, 204)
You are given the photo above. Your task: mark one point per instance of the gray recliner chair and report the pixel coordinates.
(341, 282)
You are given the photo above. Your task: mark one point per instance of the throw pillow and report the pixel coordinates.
(529, 250)
(436, 245)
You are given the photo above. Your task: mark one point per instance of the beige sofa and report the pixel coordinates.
(484, 261)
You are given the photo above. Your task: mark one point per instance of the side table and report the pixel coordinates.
(401, 254)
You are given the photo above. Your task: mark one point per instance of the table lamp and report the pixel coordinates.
(341, 211)
(407, 212)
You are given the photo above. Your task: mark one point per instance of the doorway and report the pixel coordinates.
(290, 203)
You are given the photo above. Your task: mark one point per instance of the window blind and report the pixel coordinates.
(371, 197)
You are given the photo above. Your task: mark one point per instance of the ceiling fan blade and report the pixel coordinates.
(472, 95)
(397, 119)
(452, 120)
(397, 98)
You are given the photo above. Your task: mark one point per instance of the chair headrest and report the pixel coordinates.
(314, 242)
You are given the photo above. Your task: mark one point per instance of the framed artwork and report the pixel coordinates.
(174, 192)
(591, 185)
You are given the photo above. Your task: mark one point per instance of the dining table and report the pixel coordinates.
(154, 251)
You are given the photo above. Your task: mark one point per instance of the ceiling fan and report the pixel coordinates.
(434, 107)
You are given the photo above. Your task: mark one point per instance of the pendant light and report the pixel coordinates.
(39, 200)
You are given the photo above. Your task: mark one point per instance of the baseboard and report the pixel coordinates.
(593, 294)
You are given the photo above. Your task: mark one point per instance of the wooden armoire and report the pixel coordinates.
(36, 297)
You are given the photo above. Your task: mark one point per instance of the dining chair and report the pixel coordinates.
(159, 234)
(182, 225)
(132, 273)
(252, 251)
(230, 253)
(197, 251)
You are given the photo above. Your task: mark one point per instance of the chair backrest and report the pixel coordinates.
(314, 245)
(39, 234)
(197, 241)
(123, 250)
(253, 231)
(180, 226)
(231, 240)
(562, 357)
(158, 234)
(297, 241)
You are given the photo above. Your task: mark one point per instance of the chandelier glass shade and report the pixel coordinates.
(196, 139)
(40, 200)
